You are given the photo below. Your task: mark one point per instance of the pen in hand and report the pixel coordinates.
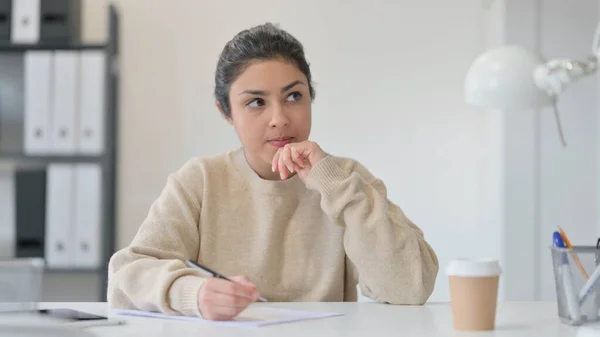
(193, 264)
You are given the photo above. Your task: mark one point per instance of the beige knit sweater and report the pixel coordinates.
(295, 241)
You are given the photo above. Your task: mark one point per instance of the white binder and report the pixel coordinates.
(64, 107)
(37, 101)
(88, 216)
(91, 103)
(58, 245)
(25, 25)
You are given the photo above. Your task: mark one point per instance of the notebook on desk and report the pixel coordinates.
(251, 317)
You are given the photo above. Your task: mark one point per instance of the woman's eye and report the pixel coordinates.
(256, 103)
(294, 96)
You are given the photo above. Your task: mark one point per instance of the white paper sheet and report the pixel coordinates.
(251, 317)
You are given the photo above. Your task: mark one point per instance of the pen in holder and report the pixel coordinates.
(567, 244)
(597, 255)
(564, 277)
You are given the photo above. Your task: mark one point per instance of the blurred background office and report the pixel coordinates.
(390, 92)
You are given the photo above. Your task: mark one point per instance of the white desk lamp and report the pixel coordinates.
(510, 77)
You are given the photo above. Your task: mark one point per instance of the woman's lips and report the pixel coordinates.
(280, 142)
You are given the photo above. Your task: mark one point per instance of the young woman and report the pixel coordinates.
(296, 223)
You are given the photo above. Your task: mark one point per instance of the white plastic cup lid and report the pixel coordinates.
(474, 268)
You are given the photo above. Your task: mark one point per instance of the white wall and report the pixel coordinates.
(479, 183)
(568, 176)
(396, 67)
(543, 184)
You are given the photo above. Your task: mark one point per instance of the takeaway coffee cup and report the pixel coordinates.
(474, 293)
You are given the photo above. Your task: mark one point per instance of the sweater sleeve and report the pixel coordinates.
(393, 261)
(150, 274)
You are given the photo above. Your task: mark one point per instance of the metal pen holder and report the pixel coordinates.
(578, 298)
(20, 284)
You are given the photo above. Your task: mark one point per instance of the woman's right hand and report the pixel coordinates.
(222, 300)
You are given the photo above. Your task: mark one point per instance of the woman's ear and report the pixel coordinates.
(220, 107)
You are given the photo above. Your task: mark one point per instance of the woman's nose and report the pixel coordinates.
(278, 117)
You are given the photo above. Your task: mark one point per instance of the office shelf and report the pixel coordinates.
(25, 158)
(6, 47)
(73, 270)
(12, 144)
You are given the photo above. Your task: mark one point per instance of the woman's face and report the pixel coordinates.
(270, 107)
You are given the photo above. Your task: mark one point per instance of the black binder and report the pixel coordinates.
(30, 212)
(60, 21)
(5, 20)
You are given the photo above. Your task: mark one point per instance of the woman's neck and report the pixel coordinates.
(261, 168)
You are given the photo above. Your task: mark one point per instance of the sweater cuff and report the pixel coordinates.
(325, 176)
(184, 295)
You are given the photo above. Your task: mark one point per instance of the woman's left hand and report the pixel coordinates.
(297, 157)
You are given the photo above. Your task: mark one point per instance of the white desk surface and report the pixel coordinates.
(360, 319)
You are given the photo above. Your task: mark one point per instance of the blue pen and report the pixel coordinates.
(558, 242)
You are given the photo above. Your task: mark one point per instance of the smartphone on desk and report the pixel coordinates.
(79, 319)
